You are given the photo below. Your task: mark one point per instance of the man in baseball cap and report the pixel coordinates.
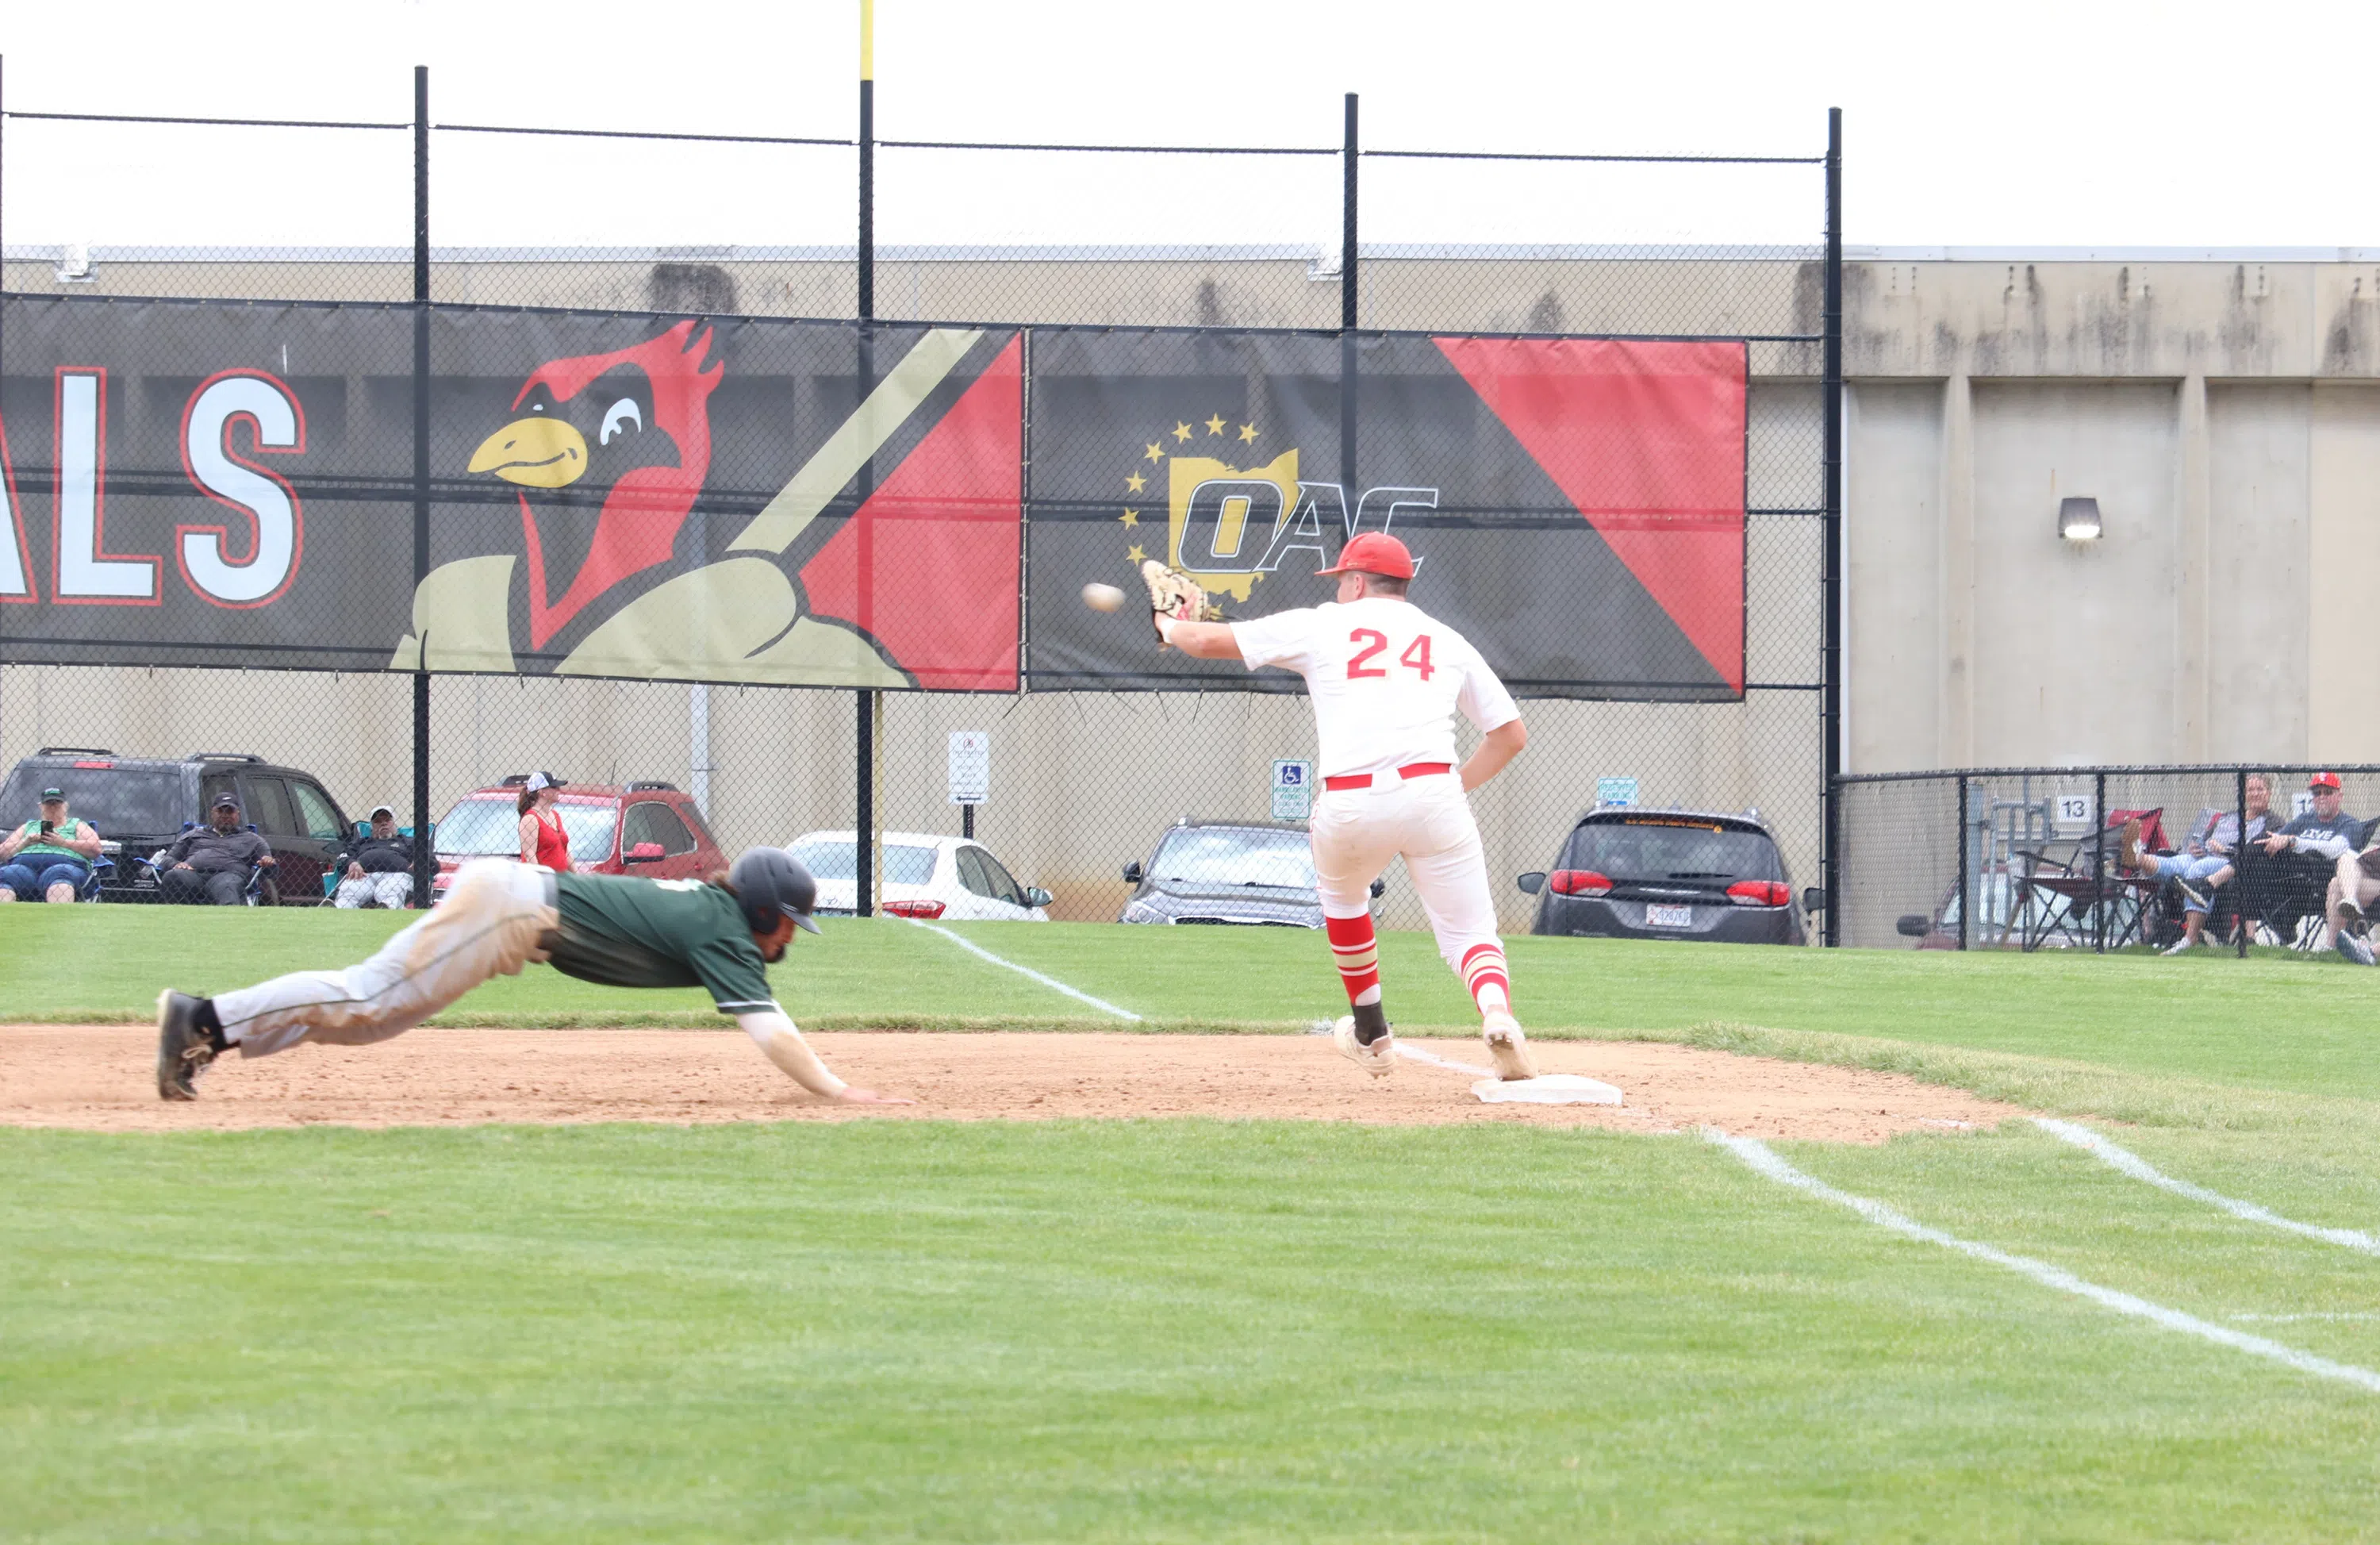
(211, 864)
(1374, 553)
(618, 930)
(1385, 681)
(2316, 843)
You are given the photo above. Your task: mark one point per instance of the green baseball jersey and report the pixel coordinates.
(659, 933)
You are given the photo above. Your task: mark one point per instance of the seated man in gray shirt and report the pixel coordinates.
(210, 864)
(2320, 839)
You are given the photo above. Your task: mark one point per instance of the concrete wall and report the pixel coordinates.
(2225, 413)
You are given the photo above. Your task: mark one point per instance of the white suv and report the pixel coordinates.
(950, 878)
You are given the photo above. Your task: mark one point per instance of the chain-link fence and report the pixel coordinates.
(1318, 237)
(2105, 860)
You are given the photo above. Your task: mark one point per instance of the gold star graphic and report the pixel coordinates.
(1247, 432)
(1154, 453)
(1130, 517)
(1215, 425)
(1135, 483)
(1181, 431)
(1137, 555)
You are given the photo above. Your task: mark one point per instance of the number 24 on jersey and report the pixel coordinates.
(1415, 656)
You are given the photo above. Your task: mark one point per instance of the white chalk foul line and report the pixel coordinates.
(1757, 1156)
(1050, 982)
(2132, 1164)
(1417, 1054)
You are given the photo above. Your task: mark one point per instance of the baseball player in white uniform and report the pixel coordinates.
(1386, 680)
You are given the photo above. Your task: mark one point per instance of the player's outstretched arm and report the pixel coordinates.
(1202, 640)
(1497, 749)
(783, 1045)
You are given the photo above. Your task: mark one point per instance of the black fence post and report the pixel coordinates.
(425, 861)
(2100, 890)
(1966, 902)
(1348, 293)
(1349, 386)
(1831, 712)
(863, 838)
(2239, 860)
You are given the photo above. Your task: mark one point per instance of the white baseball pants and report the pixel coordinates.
(1356, 832)
(392, 891)
(489, 925)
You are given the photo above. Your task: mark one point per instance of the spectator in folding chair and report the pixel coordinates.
(2317, 841)
(2192, 872)
(378, 870)
(210, 865)
(49, 858)
(2248, 902)
(2353, 890)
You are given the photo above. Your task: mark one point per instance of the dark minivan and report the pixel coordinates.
(140, 804)
(1667, 874)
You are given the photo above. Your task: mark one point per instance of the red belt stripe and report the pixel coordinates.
(1364, 779)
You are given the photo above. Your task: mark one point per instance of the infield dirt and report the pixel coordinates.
(98, 1078)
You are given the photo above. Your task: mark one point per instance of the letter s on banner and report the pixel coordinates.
(278, 424)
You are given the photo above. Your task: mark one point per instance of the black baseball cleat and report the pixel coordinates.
(183, 1049)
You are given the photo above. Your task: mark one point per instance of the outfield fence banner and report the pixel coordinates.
(609, 495)
(832, 503)
(2034, 858)
(1575, 506)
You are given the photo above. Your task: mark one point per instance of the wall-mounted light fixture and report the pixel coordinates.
(2077, 520)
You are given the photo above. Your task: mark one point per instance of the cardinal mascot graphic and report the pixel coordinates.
(615, 568)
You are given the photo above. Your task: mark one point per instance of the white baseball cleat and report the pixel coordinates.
(1379, 1059)
(1508, 1047)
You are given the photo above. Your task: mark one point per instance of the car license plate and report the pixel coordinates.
(1658, 916)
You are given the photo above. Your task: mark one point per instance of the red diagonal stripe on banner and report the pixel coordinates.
(928, 566)
(1646, 439)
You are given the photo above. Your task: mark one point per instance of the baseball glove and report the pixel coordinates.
(1172, 593)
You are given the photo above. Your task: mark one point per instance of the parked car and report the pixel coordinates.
(646, 828)
(1668, 874)
(1227, 871)
(142, 804)
(951, 877)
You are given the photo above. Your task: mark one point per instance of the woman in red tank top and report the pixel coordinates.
(543, 839)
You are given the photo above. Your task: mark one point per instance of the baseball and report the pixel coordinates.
(1101, 598)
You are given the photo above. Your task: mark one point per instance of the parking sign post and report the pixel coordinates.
(970, 775)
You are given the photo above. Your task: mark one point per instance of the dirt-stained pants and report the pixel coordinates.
(489, 925)
(1356, 832)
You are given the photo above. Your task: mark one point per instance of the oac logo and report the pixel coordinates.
(1228, 527)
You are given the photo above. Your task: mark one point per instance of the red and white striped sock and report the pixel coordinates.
(1484, 974)
(1357, 953)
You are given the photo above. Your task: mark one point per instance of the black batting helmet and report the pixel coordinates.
(772, 883)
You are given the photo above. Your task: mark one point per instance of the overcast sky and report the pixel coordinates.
(2016, 125)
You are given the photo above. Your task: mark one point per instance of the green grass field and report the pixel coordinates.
(1197, 1330)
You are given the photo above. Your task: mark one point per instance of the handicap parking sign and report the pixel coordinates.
(1292, 790)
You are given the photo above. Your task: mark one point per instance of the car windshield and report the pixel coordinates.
(826, 858)
(1671, 848)
(1235, 855)
(490, 825)
(119, 800)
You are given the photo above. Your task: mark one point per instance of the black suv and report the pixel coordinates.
(140, 804)
(1667, 874)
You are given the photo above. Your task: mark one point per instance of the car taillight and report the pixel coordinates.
(914, 908)
(1578, 882)
(1760, 892)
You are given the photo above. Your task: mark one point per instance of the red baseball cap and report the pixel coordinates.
(2323, 779)
(1374, 553)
